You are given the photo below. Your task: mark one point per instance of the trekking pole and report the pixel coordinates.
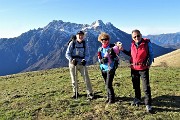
(84, 72)
(83, 63)
(75, 70)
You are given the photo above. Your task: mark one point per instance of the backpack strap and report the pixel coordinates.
(84, 46)
(74, 44)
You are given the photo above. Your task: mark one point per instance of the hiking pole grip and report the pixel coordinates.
(74, 62)
(83, 62)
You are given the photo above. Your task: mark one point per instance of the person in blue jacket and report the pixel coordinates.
(107, 70)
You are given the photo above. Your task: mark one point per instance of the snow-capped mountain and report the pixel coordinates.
(44, 48)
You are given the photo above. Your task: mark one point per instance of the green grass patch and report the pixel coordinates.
(46, 95)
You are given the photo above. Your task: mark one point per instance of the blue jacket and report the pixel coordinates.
(105, 67)
(151, 53)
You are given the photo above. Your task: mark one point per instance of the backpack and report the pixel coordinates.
(112, 54)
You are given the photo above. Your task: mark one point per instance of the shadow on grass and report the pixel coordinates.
(117, 98)
(167, 103)
(124, 99)
(96, 95)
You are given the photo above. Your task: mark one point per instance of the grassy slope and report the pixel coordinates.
(46, 95)
(171, 59)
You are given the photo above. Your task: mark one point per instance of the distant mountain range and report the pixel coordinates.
(171, 40)
(44, 48)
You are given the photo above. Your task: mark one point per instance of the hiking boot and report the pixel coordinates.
(107, 101)
(74, 95)
(149, 108)
(90, 96)
(111, 101)
(136, 102)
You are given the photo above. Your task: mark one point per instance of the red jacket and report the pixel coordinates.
(139, 55)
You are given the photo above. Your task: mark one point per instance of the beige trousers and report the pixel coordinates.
(84, 73)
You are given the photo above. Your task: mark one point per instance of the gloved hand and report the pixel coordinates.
(74, 62)
(104, 60)
(83, 62)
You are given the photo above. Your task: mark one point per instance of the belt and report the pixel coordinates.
(78, 57)
(143, 64)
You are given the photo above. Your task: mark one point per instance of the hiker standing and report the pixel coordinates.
(141, 54)
(108, 71)
(77, 53)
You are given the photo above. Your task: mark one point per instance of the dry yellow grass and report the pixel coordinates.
(171, 59)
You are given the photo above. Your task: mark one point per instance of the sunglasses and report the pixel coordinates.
(136, 36)
(105, 39)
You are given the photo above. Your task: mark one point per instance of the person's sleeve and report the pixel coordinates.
(127, 52)
(99, 54)
(151, 53)
(68, 54)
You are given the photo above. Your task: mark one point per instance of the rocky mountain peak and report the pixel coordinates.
(97, 23)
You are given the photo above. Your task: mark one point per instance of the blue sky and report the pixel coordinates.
(149, 16)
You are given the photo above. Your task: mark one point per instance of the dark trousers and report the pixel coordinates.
(108, 79)
(144, 75)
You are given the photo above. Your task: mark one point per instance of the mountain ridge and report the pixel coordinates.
(170, 40)
(44, 48)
